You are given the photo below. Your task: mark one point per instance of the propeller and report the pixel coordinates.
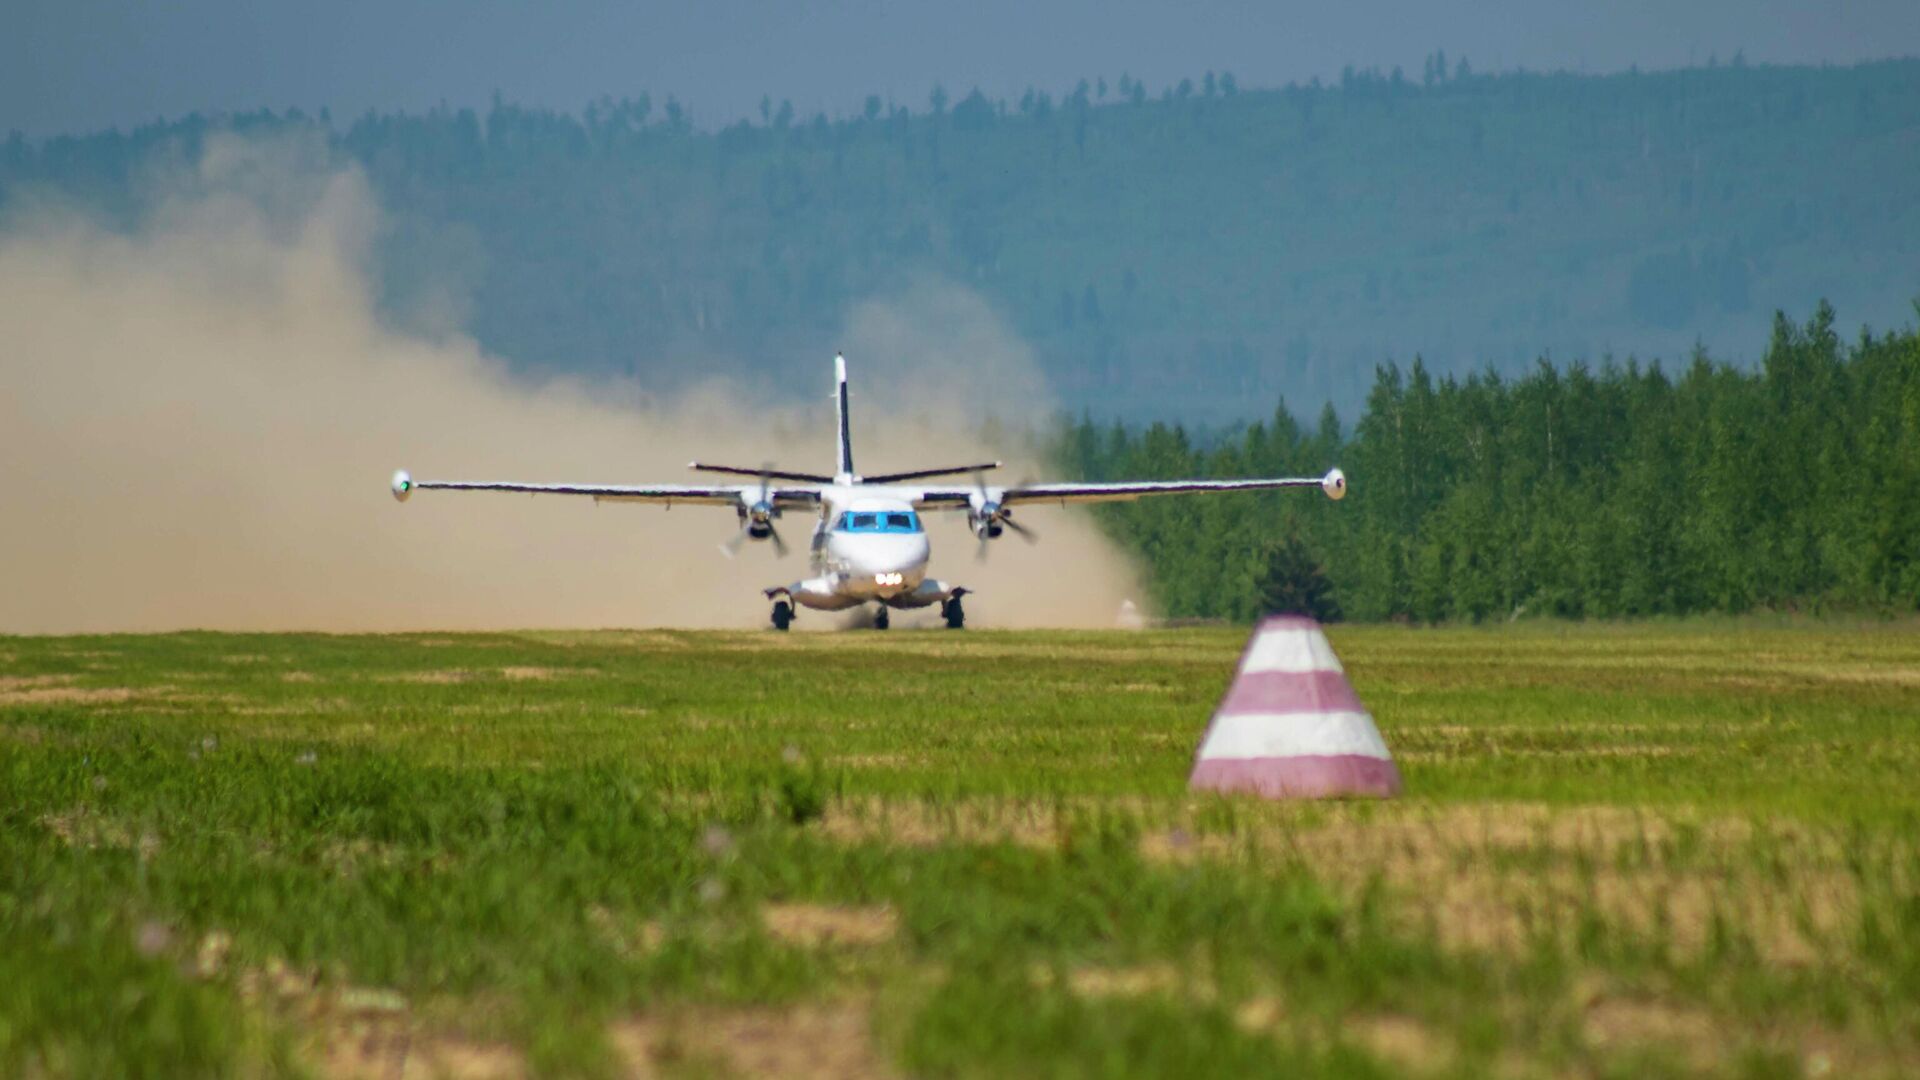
(756, 521)
(988, 517)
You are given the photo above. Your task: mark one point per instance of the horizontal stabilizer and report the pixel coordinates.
(922, 474)
(771, 474)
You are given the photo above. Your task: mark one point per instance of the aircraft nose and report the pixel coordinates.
(906, 553)
(913, 558)
(900, 566)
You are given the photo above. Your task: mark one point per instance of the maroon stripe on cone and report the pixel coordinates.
(1308, 776)
(1290, 692)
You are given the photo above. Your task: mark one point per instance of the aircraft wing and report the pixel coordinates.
(735, 495)
(958, 497)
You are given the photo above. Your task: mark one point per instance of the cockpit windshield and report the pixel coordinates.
(890, 521)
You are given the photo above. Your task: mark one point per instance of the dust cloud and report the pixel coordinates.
(199, 417)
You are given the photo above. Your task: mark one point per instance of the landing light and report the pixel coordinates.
(888, 579)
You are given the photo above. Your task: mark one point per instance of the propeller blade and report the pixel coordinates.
(732, 545)
(779, 545)
(1026, 534)
(980, 553)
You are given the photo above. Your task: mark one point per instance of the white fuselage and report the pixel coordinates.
(869, 544)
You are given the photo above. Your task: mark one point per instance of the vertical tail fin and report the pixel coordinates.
(843, 462)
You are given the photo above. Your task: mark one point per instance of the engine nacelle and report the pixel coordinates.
(985, 520)
(984, 513)
(759, 520)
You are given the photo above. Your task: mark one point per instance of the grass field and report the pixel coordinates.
(1689, 848)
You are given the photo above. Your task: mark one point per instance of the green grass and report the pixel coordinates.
(1625, 850)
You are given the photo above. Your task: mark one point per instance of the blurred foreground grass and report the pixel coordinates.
(1688, 848)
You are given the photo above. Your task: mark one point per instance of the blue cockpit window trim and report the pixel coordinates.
(878, 521)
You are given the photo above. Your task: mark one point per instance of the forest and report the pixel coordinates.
(1191, 252)
(1576, 491)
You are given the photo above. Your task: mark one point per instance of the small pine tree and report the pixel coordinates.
(1292, 582)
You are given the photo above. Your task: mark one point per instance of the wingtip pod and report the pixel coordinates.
(840, 367)
(402, 485)
(1334, 484)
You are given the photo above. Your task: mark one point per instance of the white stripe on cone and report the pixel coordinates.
(1262, 735)
(1290, 649)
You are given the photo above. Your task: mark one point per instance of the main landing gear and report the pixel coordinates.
(782, 614)
(955, 615)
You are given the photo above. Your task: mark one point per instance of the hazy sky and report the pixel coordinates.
(71, 65)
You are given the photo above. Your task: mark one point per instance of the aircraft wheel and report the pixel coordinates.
(782, 615)
(881, 620)
(956, 615)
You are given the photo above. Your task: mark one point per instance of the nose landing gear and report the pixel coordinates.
(880, 618)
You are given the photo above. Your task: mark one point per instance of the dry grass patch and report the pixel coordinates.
(1260, 1013)
(84, 829)
(628, 939)
(343, 1030)
(1139, 980)
(1494, 877)
(1612, 1025)
(878, 761)
(1615, 1021)
(1865, 675)
(349, 857)
(539, 674)
(445, 677)
(382, 1048)
(826, 1041)
(912, 823)
(360, 1032)
(1401, 1041)
(365, 1033)
(58, 690)
(452, 676)
(14, 683)
(814, 926)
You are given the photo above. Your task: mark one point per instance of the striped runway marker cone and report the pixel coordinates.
(1291, 727)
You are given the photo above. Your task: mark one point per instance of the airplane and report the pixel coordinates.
(869, 544)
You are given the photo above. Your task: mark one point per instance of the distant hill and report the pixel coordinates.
(1194, 254)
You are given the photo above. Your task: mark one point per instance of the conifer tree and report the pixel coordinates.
(1292, 582)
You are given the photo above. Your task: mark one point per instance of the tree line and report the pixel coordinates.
(1576, 491)
(1173, 251)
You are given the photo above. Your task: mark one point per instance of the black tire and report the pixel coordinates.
(956, 615)
(881, 620)
(782, 615)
